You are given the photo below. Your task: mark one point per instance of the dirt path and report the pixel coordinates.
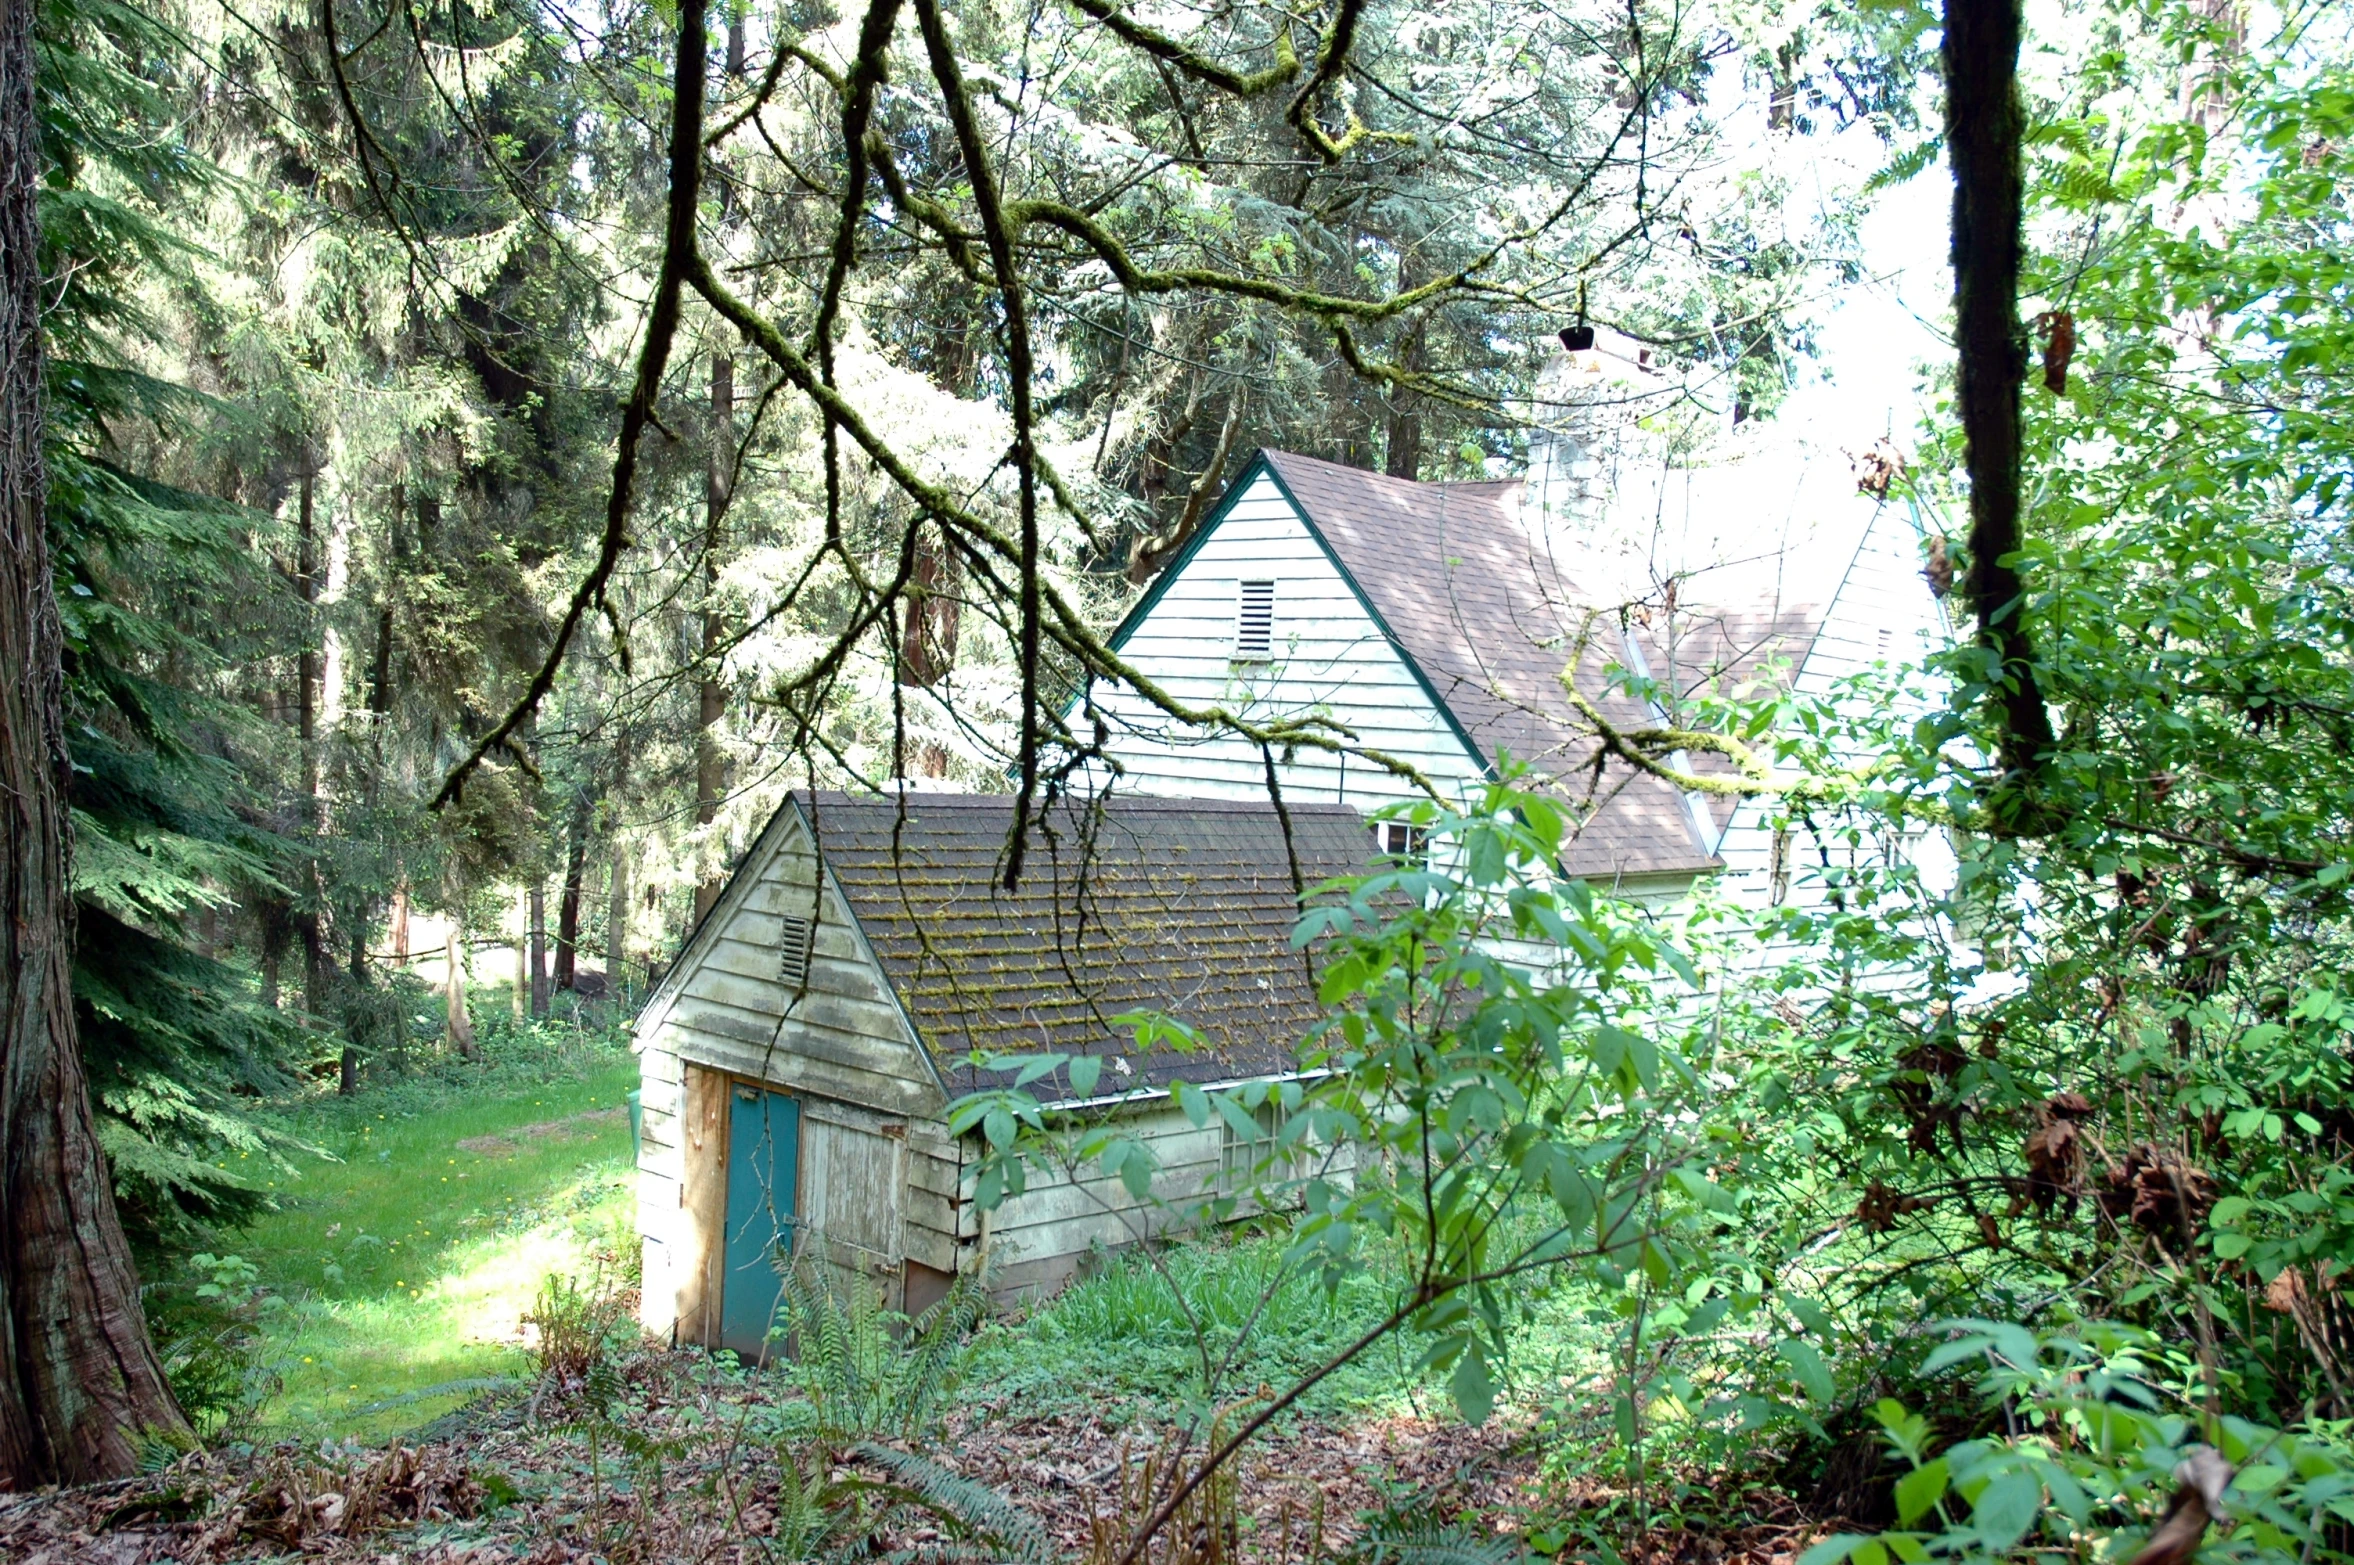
(574, 1127)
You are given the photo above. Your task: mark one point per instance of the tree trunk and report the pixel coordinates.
(276, 933)
(80, 1384)
(348, 1078)
(522, 995)
(318, 977)
(399, 935)
(461, 1024)
(539, 950)
(710, 763)
(1403, 459)
(1402, 442)
(617, 919)
(568, 905)
(1984, 126)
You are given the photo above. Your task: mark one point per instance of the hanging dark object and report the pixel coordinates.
(1579, 338)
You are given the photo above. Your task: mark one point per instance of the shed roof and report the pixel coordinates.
(1182, 906)
(1481, 605)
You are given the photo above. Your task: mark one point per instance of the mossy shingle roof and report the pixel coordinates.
(1180, 906)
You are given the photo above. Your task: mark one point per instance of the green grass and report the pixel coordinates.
(1118, 1342)
(401, 1261)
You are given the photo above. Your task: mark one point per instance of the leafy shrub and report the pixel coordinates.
(2109, 1451)
(577, 1327)
(208, 1331)
(869, 1373)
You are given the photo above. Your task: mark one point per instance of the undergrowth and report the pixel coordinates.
(1118, 1340)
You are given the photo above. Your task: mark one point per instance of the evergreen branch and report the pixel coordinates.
(678, 248)
(766, 90)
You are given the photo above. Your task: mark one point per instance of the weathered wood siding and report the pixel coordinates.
(1329, 658)
(1038, 1241)
(871, 1100)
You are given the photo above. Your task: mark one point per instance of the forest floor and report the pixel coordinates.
(538, 1479)
(407, 1419)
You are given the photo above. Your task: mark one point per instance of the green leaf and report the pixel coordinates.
(1833, 1549)
(2006, 1509)
(1806, 1363)
(1086, 1071)
(1919, 1489)
(1194, 1101)
(1473, 1391)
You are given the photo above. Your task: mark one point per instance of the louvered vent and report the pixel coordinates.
(1254, 627)
(793, 952)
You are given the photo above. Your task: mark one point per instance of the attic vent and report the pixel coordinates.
(793, 941)
(1254, 626)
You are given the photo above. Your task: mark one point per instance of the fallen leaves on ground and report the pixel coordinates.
(496, 1485)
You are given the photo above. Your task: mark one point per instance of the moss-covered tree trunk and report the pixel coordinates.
(81, 1383)
(1984, 125)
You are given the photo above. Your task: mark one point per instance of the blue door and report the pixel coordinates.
(763, 1150)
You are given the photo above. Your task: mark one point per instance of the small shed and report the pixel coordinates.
(798, 1060)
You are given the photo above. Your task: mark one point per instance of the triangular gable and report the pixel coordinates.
(787, 827)
(1257, 467)
(1472, 644)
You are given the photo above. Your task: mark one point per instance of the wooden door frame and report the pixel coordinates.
(707, 1094)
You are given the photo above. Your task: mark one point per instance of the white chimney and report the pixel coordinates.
(1584, 428)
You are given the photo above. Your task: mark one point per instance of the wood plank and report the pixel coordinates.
(930, 1209)
(935, 1175)
(855, 1182)
(697, 1258)
(712, 1034)
(928, 1247)
(806, 1073)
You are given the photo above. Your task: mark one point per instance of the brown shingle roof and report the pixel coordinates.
(1489, 616)
(1176, 905)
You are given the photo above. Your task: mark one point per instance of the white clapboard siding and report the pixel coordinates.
(1882, 614)
(1328, 657)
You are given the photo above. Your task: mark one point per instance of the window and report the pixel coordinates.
(1401, 840)
(1254, 624)
(794, 940)
(1245, 1160)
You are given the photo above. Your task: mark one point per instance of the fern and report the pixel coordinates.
(974, 1510)
(1404, 1535)
(868, 1373)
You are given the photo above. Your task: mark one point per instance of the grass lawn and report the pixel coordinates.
(407, 1262)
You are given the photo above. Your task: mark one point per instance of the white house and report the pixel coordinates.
(1437, 620)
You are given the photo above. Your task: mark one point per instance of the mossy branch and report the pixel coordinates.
(1164, 46)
